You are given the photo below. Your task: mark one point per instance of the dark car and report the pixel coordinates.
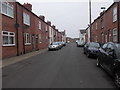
(91, 49)
(109, 59)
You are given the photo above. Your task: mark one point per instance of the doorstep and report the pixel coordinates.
(12, 60)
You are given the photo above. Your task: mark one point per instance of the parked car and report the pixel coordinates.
(54, 46)
(60, 44)
(109, 59)
(80, 44)
(91, 49)
(64, 43)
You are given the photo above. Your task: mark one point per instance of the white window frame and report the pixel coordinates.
(115, 34)
(40, 25)
(40, 38)
(26, 18)
(27, 39)
(114, 14)
(12, 7)
(46, 28)
(8, 35)
(106, 38)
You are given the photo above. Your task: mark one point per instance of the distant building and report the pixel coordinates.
(82, 34)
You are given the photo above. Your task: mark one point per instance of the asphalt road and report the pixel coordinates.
(66, 68)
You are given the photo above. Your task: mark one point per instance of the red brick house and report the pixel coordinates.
(22, 30)
(106, 28)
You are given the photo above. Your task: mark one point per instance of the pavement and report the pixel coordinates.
(65, 68)
(16, 59)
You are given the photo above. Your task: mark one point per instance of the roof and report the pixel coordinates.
(83, 31)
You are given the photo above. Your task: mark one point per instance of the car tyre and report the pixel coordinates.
(117, 78)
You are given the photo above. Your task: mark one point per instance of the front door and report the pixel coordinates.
(33, 42)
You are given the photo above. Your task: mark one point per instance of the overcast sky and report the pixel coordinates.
(69, 15)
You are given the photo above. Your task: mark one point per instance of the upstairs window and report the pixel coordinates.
(46, 28)
(8, 38)
(26, 19)
(40, 25)
(114, 14)
(6, 8)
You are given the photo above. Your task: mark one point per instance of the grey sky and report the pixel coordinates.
(69, 15)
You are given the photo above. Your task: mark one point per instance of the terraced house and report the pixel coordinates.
(106, 28)
(22, 30)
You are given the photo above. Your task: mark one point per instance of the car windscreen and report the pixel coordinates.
(94, 45)
(118, 48)
(54, 43)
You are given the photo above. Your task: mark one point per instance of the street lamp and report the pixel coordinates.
(90, 18)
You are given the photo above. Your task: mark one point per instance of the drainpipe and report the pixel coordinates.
(17, 25)
(23, 33)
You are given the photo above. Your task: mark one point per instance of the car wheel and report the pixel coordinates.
(98, 63)
(117, 78)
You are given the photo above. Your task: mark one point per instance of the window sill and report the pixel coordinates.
(8, 45)
(12, 17)
(27, 44)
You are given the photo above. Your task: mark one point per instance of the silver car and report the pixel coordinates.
(53, 46)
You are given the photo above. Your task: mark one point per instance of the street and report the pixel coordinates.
(65, 68)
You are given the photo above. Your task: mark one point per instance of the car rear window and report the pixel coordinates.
(94, 44)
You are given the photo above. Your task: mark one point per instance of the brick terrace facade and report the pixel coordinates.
(106, 27)
(23, 31)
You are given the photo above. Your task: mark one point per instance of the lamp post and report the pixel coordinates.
(90, 19)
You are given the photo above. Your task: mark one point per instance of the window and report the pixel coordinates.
(46, 28)
(114, 35)
(102, 22)
(27, 39)
(26, 19)
(40, 26)
(110, 36)
(96, 38)
(7, 9)
(40, 38)
(114, 14)
(106, 38)
(102, 36)
(8, 38)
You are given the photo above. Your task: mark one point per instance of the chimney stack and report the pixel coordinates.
(49, 23)
(53, 26)
(42, 17)
(28, 6)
